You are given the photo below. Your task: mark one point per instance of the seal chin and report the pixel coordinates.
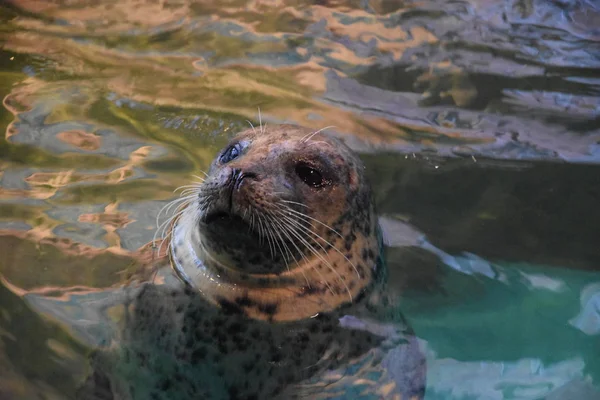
(216, 216)
(222, 217)
(224, 225)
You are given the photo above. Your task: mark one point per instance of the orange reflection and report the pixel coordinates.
(80, 139)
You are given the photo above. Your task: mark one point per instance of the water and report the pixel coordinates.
(478, 122)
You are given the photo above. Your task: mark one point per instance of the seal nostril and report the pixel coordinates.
(234, 177)
(238, 177)
(251, 175)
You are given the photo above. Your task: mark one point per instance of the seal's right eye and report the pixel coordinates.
(230, 153)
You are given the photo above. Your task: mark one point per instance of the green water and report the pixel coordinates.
(478, 123)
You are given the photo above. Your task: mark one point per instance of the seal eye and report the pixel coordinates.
(230, 153)
(309, 175)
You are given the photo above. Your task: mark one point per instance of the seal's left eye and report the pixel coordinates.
(230, 153)
(311, 176)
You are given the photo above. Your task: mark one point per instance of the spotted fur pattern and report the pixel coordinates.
(178, 346)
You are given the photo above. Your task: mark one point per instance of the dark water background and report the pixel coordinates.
(479, 123)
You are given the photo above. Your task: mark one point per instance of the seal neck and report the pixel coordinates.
(302, 292)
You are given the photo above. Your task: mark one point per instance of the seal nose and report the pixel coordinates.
(238, 176)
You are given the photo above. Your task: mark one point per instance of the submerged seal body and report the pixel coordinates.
(280, 252)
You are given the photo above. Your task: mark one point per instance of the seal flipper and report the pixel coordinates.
(403, 364)
(394, 369)
(406, 368)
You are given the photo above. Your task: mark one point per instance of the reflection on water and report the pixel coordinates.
(465, 113)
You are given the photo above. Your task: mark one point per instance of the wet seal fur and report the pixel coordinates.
(261, 315)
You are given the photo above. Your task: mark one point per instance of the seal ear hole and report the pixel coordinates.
(310, 175)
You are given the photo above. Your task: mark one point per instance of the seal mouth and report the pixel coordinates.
(220, 216)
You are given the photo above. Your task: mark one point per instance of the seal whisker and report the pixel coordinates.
(248, 216)
(173, 219)
(162, 226)
(278, 241)
(295, 259)
(176, 203)
(192, 190)
(309, 231)
(194, 186)
(287, 230)
(318, 142)
(181, 203)
(181, 197)
(168, 206)
(271, 240)
(309, 136)
(260, 230)
(205, 200)
(189, 191)
(258, 226)
(263, 232)
(260, 121)
(268, 237)
(268, 223)
(296, 225)
(294, 202)
(305, 216)
(284, 255)
(272, 223)
(206, 197)
(167, 239)
(316, 254)
(253, 130)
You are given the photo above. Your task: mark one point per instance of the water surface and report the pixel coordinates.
(479, 124)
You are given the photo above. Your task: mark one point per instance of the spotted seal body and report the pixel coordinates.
(280, 253)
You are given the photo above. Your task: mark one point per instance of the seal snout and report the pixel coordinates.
(216, 215)
(226, 198)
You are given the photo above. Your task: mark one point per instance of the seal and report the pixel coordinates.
(283, 227)
(280, 261)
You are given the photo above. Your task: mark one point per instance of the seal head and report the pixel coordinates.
(282, 228)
